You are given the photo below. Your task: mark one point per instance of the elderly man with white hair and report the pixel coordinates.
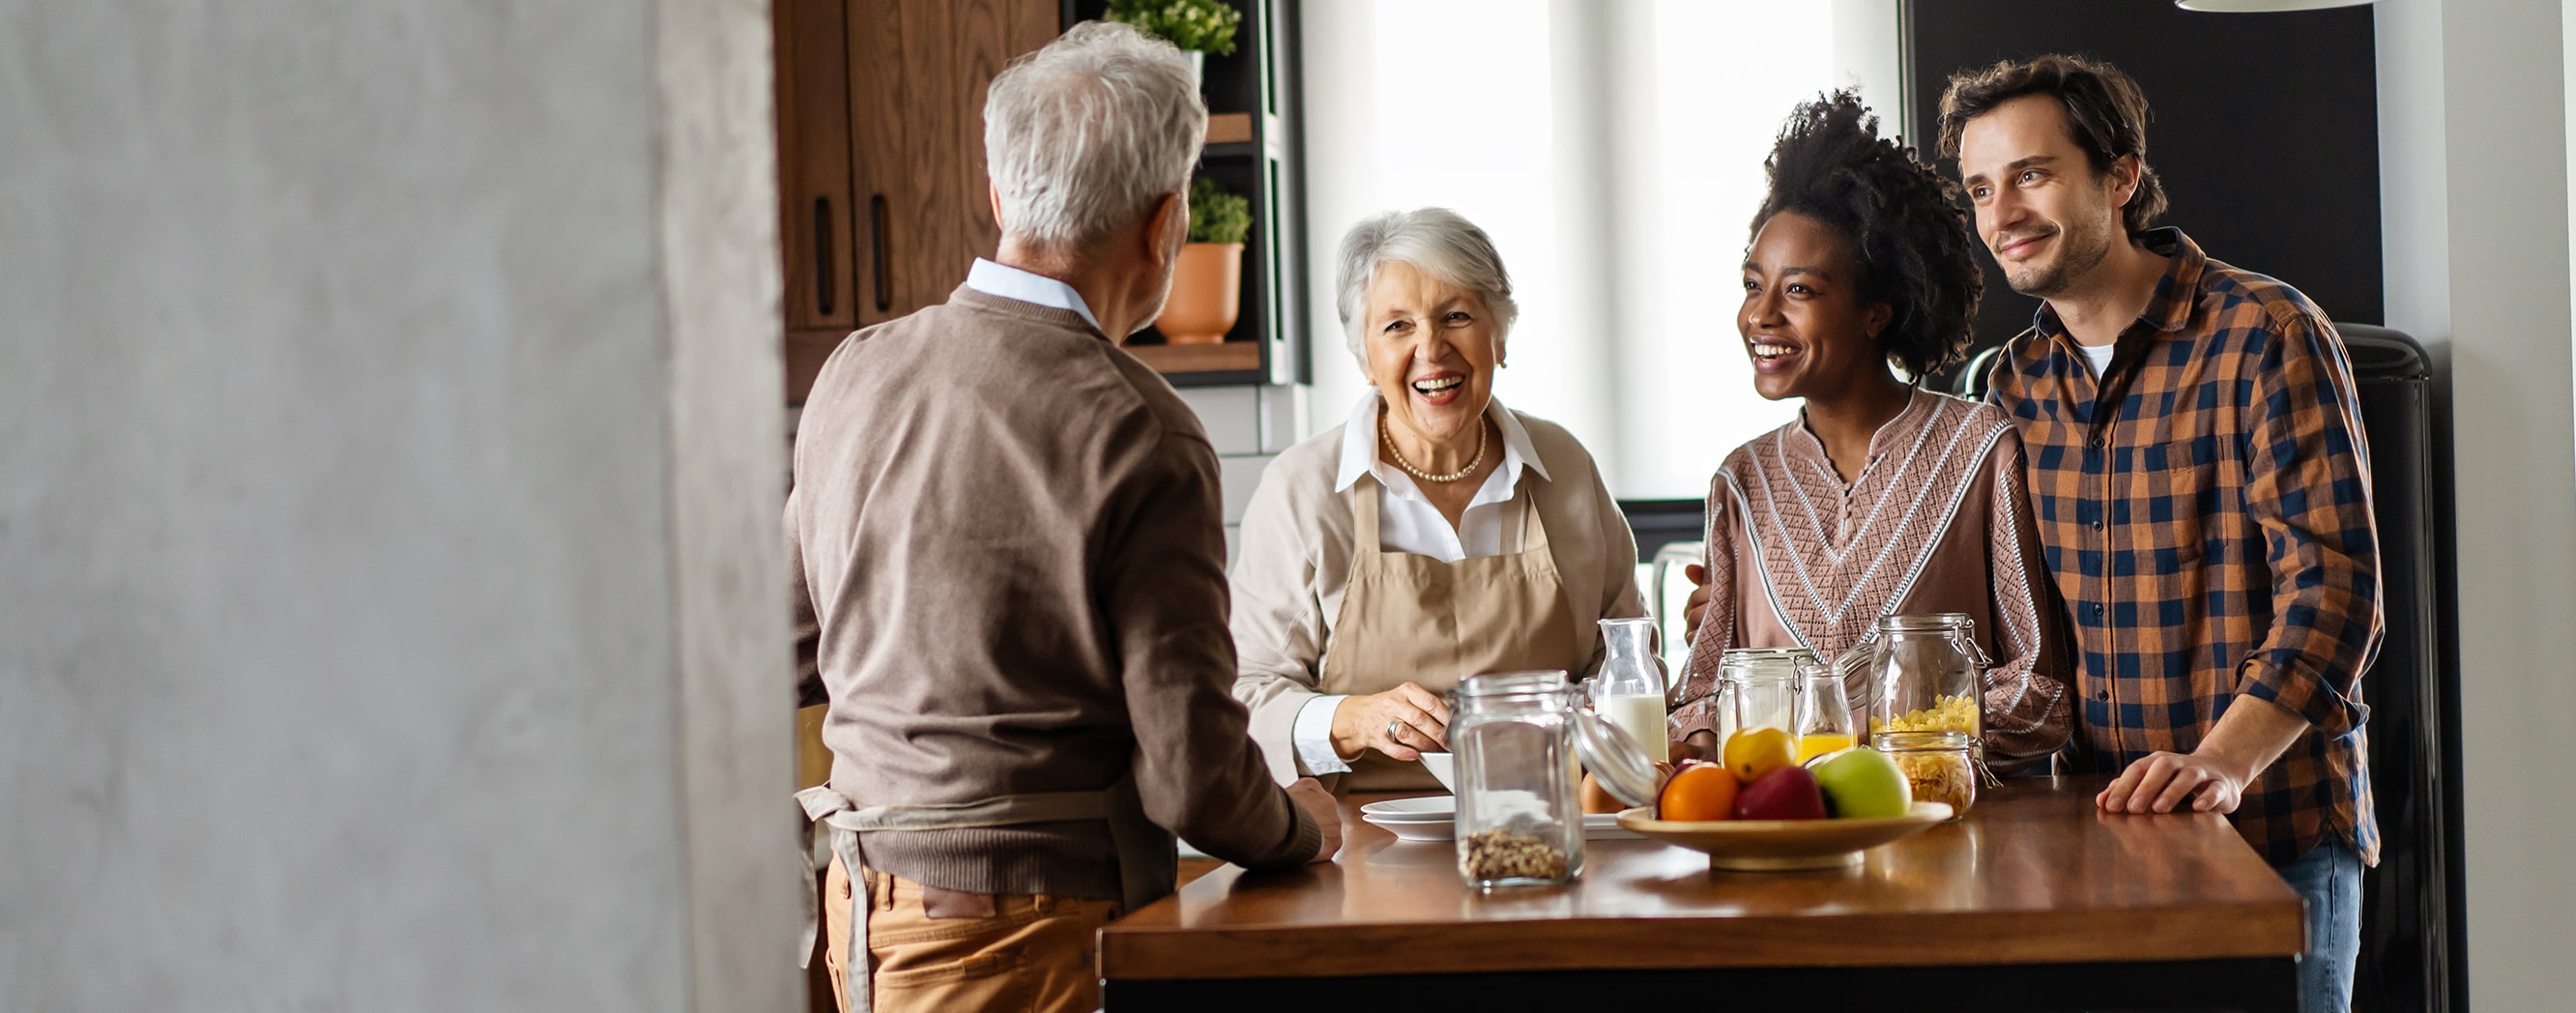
(1434, 536)
(1009, 560)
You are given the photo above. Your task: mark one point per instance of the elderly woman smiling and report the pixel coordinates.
(1434, 536)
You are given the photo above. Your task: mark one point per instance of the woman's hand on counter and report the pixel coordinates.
(1309, 794)
(1698, 745)
(1401, 722)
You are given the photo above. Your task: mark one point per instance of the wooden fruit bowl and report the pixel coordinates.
(1783, 845)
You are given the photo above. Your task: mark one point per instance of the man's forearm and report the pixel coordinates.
(2253, 733)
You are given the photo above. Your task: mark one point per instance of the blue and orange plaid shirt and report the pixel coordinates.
(2205, 508)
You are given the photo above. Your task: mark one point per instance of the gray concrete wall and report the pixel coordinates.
(387, 430)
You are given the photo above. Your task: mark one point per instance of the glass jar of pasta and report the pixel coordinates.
(1925, 674)
(1936, 766)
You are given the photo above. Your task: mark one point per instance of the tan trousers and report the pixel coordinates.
(1034, 952)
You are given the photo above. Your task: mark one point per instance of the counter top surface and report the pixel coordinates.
(2034, 874)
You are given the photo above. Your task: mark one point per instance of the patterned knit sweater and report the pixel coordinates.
(1935, 522)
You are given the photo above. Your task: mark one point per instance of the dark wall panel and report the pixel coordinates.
(2264, 127)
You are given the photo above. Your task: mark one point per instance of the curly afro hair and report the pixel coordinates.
(1908, 229)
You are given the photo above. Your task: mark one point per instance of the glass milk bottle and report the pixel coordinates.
(1630, 689)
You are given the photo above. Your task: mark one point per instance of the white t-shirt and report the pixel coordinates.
(2099, 356)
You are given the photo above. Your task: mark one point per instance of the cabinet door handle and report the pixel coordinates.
(877, 250)
(823, 256)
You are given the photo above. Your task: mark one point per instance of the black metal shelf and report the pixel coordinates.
(1260, 77)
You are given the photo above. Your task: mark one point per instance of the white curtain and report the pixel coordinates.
(1614, 151)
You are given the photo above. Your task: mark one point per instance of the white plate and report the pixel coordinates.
(1435, 819)
(1431, 809)
(1605, 827)
(1443, 829)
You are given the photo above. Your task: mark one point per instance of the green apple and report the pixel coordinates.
(1863, 784)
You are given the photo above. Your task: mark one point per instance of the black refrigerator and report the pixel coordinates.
(2412, 937)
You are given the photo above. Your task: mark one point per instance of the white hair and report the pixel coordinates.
(1084, 135)
(1436, 241)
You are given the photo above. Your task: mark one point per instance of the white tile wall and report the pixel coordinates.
(1248, 426)
(1232, 416)
(1286, 416)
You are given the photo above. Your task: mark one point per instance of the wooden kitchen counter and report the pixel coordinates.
(2035, 901)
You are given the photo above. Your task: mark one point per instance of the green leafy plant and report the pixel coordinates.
(1217, 215)
(1205, 26)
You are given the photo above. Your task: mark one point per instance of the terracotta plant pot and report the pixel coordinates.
(1207, 289)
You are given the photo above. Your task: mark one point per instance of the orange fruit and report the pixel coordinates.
(1753, 752)
(1699, 791)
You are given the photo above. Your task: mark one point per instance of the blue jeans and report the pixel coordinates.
(2328, 879)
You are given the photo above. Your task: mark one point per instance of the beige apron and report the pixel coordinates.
(1147, 862)
(1414, 618)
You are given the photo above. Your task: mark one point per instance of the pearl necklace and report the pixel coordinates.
(1398, 456)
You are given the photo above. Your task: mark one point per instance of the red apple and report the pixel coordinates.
(1789, 793)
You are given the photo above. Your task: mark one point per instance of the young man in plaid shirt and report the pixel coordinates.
(2197, 465)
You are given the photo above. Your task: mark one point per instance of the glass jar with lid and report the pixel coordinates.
(1922, 673)
(1517, 736)
(1936, 766)
(1759, 688)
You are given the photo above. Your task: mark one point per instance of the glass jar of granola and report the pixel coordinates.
(1519, 821)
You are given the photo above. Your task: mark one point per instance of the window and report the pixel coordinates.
(1614, 151)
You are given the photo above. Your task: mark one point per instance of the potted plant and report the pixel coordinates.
(1198, 27)
(1207, 282)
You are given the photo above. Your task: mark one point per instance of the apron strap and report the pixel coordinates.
(1533, 530)
(1364, 495)
(1148, 864)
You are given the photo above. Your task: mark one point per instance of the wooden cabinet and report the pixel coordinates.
(882, 203)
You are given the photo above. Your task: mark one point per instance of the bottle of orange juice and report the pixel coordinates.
(1824, 715)
(1815, 744)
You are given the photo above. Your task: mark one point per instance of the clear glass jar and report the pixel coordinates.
(1936, 766)
(1925, 673)
(1519, 819)
(1760, 688)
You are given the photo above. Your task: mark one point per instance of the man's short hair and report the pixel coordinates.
(2105, 111)
(1086, 134)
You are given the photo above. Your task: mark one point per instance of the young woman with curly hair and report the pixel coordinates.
(1882, 497)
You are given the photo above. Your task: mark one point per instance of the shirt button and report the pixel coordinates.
(2097, 443)
(2102, 695)
(2097, 524)
(2097, 608)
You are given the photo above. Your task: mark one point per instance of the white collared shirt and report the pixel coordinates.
(1029, 287)
(1407, 522)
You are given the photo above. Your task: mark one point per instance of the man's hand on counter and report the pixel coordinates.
(2161, 781)
(2245, 741)
(1309, 794)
